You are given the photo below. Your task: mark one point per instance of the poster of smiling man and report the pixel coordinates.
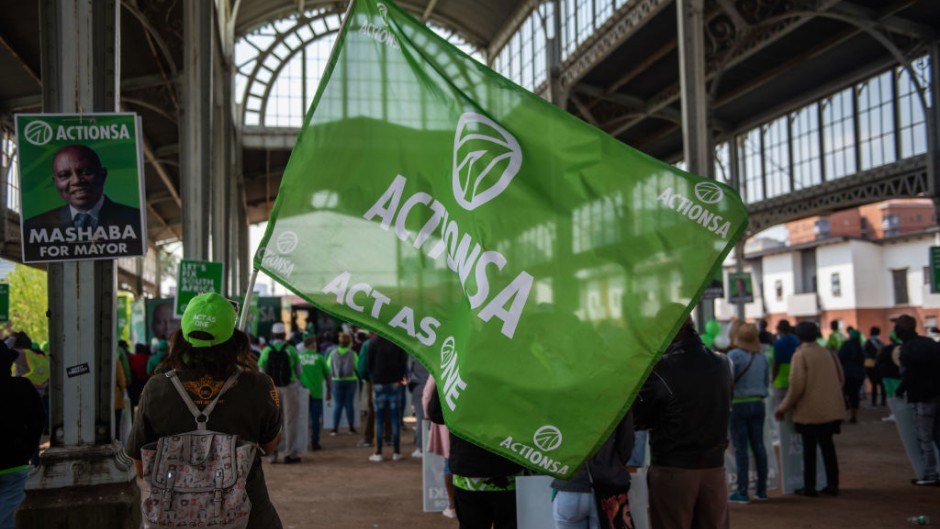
(81, 187)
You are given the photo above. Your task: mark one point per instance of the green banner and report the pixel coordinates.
(535, 265)
(122, 321)
(197, 277)
(740, 287)
(269, 313)
(934, 269)
(139, 322)
(81, 182)
(4, 302)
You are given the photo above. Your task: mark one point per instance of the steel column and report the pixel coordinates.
(80, 62)
(196, 126)
(695, 132)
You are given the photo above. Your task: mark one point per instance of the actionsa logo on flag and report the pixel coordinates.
(528, 260)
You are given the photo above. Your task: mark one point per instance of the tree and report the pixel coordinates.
(29, 302)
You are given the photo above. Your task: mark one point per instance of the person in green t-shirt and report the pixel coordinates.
(836, 337)
(313, 372)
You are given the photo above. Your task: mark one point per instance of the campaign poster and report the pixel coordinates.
(740, 287)
(162, 321)
(197, 277)
(81, 182)
(4, 302)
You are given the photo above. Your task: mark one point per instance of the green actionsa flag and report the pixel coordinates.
(535, 265)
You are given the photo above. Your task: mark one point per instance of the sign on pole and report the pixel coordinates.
(934, 269)
(81, 182)
(4, 302)
(715, 289)
(197, 277)
(740, 287)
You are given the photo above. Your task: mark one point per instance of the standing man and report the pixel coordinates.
(22, 425)
(281, 362)
(387, 369)
(873, 346)
(686, 404)
(313, 373)
(784, 347)
(920, 380)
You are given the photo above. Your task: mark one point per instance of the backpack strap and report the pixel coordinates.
(202, 417)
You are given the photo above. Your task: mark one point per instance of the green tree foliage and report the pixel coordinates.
(29, 302)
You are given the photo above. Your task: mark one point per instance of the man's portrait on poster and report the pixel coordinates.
(88, 215)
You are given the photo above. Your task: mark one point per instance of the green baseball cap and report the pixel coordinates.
(211, 318)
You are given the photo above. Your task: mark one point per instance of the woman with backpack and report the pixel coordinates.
(212, 386)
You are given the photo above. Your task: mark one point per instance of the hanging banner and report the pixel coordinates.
(440, 205)
(4, 302)
(740, 287)
(194, 278)
(716, 288)
(81, 182)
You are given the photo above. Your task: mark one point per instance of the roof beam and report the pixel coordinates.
(427, 12)
(9, 47)
(886, 19)
(161, 171)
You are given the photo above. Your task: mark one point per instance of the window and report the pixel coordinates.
(822, 228)
(891, 225)
(836, 285)
(778, 290)
(928, 275)
(899, 279)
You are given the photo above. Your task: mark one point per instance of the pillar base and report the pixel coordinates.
(81, 486)
(116, 505)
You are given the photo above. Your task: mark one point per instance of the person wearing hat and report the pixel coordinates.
(280, 361)
(751, 381)
(205, 352)
(22, 425)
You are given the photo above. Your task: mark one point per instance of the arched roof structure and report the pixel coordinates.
(770, 66)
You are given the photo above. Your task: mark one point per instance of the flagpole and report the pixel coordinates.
(243, 315)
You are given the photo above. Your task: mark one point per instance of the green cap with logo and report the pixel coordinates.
(209, 320)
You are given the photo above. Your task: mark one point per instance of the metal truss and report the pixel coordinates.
(906, 178)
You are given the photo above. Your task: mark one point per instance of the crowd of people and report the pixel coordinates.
(695, 400)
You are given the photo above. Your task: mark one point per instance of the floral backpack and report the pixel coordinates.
(197, 478)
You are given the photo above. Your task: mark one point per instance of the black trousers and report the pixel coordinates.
(485, 510)
(819, 435)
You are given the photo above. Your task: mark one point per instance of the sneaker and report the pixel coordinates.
(334, 432)
(417, 454)
(449, 513)
(397, 457)
(363, 444)
(376, 458)
(924, 482)
(760, 496)
(889, 418)
(737, 497)
(832, 491)
(272, 459)
(291, 459)
(317, 447)
(352, 431)
(809, 493)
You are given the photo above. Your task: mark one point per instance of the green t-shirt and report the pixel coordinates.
(313, 371)
(291, 354)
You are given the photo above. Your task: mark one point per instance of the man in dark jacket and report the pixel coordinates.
(22, 429)
(920, 380)
(686, 404)
(388, 365)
